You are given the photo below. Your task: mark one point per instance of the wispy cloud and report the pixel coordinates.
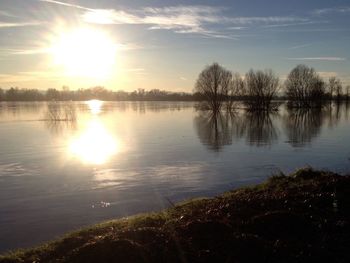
(327, 74)
(184, 19)
(180, 19)
(293, 24)
(64, 4)
(18, 24)
(29, 76)
(266, 20)
(324, 11)
(27, 51)
(5, 13)
(237, 27)
(35, 50)
(296, 30)
(300, 46)
(129, 46)
(319, 58)
(110, 16)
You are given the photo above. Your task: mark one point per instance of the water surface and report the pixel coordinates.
(67, 165)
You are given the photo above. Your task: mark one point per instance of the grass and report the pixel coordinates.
(302, 217)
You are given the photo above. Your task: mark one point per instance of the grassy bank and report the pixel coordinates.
(303, 217)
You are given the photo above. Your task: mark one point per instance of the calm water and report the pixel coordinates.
(68, 165)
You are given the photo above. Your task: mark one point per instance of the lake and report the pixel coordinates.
(71, 164)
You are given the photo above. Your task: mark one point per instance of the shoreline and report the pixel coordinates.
(301, 217)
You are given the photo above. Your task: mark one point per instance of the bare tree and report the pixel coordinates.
(335, 88)
(260, 88)
(339, 90)
(213, 84)
(331, 86)
(236, 89)
(347, 92)
(304, 87)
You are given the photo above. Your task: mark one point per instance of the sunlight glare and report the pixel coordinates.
(95, 145)
(84, 52)
(94, 106)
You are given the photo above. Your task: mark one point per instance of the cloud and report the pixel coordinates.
(29, 51)
(344, 77)
(130, 46)
(237, 27)
(5, 13)
(319, 59)
(327, 74)
(18, 24)
(291, 24)
(326, 11)
(183, 19)
(300, 46)
(110, 16)
(64, 4)
(265, 20)
(284, 30)
(21, 77)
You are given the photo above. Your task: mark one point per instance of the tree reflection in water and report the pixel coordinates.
(260, 129)
(303, 125)
(220, 129)
(214, 129)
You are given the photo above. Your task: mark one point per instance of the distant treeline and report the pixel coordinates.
(101, 93)
(216, 85)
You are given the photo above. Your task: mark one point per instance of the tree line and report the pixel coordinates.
(217, 86)
(101, 93)
(303, 88)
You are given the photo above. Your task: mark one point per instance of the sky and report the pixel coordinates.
(163, 44)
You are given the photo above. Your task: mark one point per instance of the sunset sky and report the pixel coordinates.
(164, 44)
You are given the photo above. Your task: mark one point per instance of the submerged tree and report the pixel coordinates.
(347, 92)
(235, 90)
(260, 88)
(335, 88)
(304, 87)
(213, 84)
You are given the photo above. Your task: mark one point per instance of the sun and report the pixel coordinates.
(84, 52)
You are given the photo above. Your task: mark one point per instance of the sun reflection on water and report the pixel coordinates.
(95, 106)
(94, 144)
